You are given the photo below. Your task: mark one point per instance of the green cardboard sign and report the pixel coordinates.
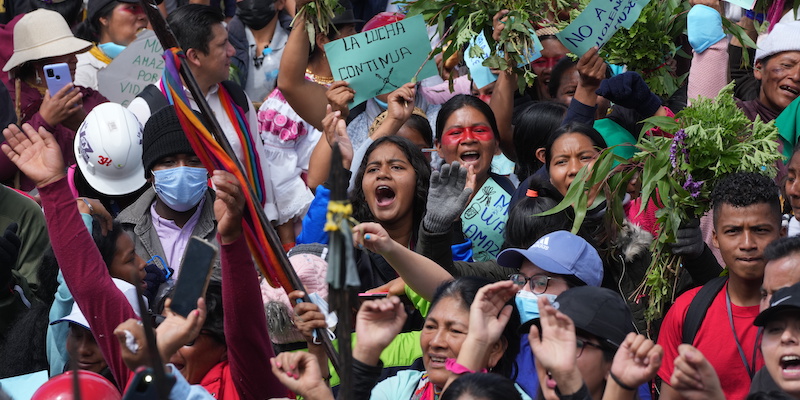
(484, 220)
(598, 22)
(382, 59)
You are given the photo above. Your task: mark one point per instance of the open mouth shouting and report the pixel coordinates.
(790, 366)
(384, 196)
(792, 91)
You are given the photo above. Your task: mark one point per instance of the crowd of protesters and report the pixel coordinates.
(99, 203)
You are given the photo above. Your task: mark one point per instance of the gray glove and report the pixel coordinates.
(447, 197)
(689, 241)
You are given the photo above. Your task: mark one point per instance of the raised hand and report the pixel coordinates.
(499, 24)
(36, 154)
(377, 324)
(555, 343)
(64, 104)
(401, 102)
(175, 331)
(335, 131)
(228, 206)
(694, 377)
(339, 96)
(591, 69)
(299, 372)
(448, 195)
(637, 360)
(373, 237)
(307, 317)
(489, 313)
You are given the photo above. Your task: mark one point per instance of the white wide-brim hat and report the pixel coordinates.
(43, 34)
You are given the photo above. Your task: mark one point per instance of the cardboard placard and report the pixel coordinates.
(382, 59)
(598, 22)
(140, 64)
(484, 220)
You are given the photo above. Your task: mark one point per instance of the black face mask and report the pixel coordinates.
(256, 14)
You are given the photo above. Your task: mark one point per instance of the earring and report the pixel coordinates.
(38, 78)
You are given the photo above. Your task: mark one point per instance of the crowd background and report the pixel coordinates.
(100, 202)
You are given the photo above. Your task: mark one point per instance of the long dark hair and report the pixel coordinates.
(460, 101)
(482, 386)
(90, 29)
(524, 228)
(465, 289)
(421, 167)
(532, 126)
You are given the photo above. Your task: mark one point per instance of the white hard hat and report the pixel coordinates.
(108, 150)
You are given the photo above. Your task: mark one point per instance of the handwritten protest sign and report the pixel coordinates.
(382, 59)
(746, 4)
(481, 75)
(484, 220)
(598, 22)
(139, 65)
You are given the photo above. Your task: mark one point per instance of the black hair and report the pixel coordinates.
(71, 10)
(332, 35)
(423, 126)
(418, 162)
(781, 248)
(557, 74)
(460, 101)
(215, 316)
(482, 386)
(773, 395)
(523, 228)
(744, 189)
(572, 127)
(532, 126)
(107, 244)
(562, 66)
(193, 25)
(90, 29)
(465, 288)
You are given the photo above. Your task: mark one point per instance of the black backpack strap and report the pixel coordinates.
(154, 98)
(237, 94)
(699, 307)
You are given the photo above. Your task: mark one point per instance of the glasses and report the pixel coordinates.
(538, 283)
(582, 344)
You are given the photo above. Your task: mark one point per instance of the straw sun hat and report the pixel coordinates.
(43, 34)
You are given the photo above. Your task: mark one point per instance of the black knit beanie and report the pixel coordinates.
(163, 137)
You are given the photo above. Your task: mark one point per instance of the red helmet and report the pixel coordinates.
(381, 19)
(93, 386)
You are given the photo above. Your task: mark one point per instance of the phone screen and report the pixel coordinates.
(194, 274)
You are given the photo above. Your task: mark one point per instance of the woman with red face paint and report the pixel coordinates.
(467, 132)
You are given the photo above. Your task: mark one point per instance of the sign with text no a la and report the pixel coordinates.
(598, 22)
(382, 59)
(140, 64)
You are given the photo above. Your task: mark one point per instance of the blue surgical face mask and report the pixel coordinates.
(111, 49)
(181, 188)
(383, 105)
(528, 304)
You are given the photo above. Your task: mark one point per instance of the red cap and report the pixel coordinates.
(92, 386)
(382, 19)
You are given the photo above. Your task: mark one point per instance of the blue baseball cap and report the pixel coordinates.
(559, 253)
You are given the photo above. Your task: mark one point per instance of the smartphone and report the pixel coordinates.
(194, 274)
(373, 296)
(57, 76)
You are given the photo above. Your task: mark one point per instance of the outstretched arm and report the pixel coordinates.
(306, 98)
(245, 323)
(38, 156)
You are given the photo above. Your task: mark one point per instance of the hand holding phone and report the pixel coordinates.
(193, 276)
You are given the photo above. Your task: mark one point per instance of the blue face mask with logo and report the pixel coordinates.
(528, 304)
(382, 105)
(181, 188)
(111, 49)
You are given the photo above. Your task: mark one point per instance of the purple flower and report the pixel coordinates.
(678, 140)
(693, 187)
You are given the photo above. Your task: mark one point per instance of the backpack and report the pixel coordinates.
(698, 308)
(157, 100)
